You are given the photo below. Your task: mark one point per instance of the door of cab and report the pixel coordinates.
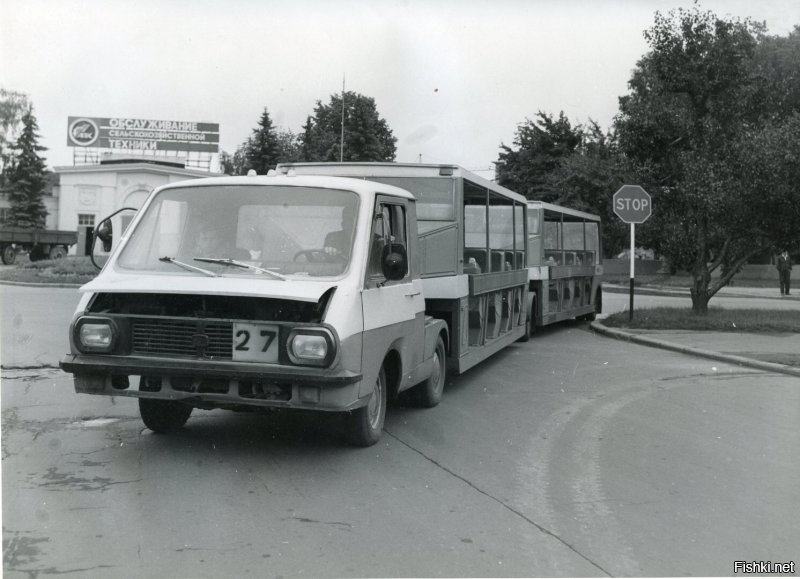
(394, 310)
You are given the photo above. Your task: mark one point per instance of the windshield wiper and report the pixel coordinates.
(168, 259)
(234, 263)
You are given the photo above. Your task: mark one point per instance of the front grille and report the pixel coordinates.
(177, 337)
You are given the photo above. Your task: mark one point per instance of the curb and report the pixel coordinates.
(40, 284)
(730, 358)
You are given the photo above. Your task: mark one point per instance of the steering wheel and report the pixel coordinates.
(313, 255)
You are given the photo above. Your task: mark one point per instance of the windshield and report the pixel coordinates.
(294, 231)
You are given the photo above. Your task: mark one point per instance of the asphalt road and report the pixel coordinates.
(570, 455)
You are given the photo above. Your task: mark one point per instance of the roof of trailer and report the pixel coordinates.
(387, 169)
(564, 210)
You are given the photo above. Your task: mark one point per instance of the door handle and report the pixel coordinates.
(412, 294)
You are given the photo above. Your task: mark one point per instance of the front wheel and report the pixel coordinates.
(9, 255)
(429, 393)
(365, 424)
(164, 416)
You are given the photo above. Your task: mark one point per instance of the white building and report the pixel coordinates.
(88, 193)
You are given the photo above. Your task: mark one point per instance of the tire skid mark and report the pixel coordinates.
(592, 507)
(20, 549)
(579, 427)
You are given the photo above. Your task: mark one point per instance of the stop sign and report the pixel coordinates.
(632, 204)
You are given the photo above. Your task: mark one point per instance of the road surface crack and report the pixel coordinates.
(488, 495)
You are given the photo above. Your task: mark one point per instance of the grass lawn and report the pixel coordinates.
(77, 270)
(717, 320)
(681, 281)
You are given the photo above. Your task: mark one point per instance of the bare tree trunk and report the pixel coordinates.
(701, 275)
(699, 290)
(702, 290)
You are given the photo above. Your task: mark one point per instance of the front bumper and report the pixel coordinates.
(213, 384)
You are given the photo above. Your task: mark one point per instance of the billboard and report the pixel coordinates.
(142, 134)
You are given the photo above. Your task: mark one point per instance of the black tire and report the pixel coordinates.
(164, 416)
(365, 424)
(527, 335)
(429, 393)
(598, 307)
(9, 255)
(36, 254)
(58, 252)
(530, 323)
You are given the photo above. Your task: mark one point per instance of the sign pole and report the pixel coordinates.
(633, 250)
(633, 205)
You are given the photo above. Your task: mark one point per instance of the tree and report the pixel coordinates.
(25, 178)
(693, 118)
(262, 151)
(587, 178)
(577, 166)
(541, 145)
(367, 137)
(12, 107)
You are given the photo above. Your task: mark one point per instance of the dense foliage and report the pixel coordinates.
(367, 137)
(709, 129)
(708, 115)
(263, 150)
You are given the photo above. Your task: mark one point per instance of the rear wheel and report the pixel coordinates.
(365, 424)
(527, 335)
(530, 323)
(58, 252)
(598, 307)
(9, 255)
(429, 393)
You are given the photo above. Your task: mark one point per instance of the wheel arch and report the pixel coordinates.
(393, 369)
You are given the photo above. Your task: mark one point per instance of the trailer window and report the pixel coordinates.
(435, 195)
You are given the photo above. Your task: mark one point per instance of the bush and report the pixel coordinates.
(72, 270)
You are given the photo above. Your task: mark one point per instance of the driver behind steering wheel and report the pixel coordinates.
(337, 243)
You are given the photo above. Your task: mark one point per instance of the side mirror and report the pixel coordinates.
(395, 261)
(105, 232)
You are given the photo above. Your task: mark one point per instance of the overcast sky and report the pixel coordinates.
(452, 78)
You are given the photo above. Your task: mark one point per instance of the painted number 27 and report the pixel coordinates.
(243, 339)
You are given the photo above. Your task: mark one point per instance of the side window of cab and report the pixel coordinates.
(389, 237)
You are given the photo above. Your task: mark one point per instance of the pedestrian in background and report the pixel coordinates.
(784, 271)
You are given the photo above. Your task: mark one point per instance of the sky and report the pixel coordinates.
(453, 79)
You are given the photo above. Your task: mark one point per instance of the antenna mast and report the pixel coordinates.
(341, 143)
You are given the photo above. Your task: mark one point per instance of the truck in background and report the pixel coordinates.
(39, 243)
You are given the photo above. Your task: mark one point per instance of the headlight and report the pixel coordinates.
(95, 335)
(313, 347)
